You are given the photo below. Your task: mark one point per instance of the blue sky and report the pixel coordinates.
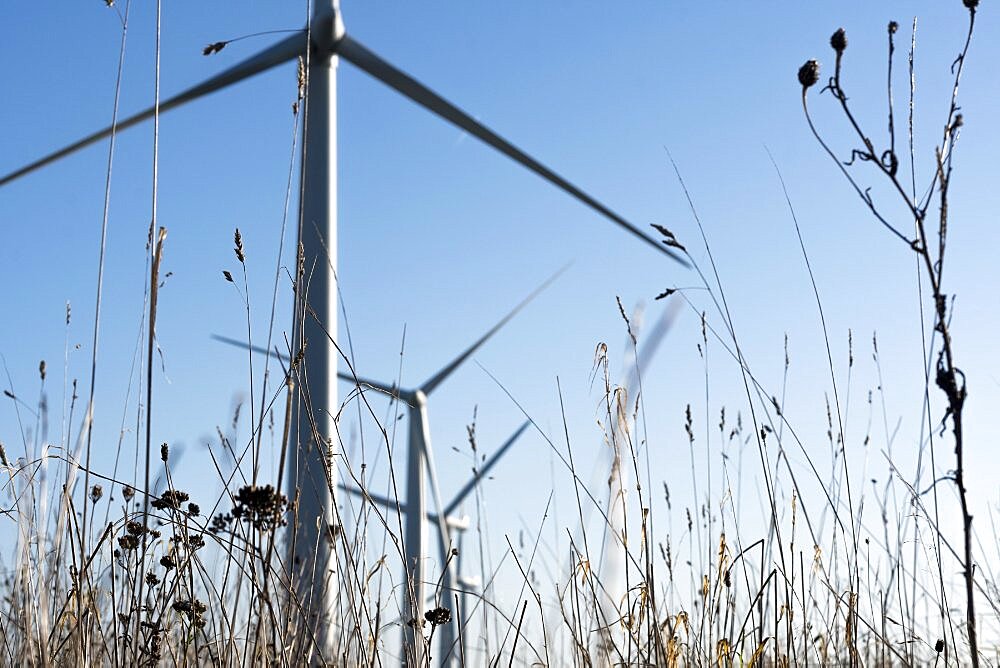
(440, 235)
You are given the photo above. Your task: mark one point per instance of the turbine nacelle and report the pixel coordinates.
(326, 28)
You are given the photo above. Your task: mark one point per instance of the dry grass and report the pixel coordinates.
(110, 569)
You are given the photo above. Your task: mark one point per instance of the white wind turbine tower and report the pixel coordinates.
(312, 476)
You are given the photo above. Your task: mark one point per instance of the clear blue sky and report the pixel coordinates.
(440, 235)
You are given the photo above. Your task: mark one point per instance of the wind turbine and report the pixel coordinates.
(312, 477)
(447, 524)
(452, 524)
(420, 463)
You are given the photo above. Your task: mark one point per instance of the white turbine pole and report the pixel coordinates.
(415, 569)
(312, 470)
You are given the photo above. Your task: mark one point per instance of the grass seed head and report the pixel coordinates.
(238, 241)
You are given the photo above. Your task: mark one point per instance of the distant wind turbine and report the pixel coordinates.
(312, 475)
(420, 463)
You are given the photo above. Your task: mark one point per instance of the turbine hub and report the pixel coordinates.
(327, 26)
(418, 398)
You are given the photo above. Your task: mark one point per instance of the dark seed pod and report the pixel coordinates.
(809, 73)
(971, 4)
(438, 616)
(839, 41)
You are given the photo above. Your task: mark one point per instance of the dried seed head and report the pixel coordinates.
(893, 27)
(41, 369)
(971, 4)
(128, 542)
(939, 645)
(302, 78)
(238, 240)
(170, 499)
(96, 492)
(214, 47)
(128, 492)
(263, 507)
(438, 616)
(164, 452)
(809, 74)
(839, 41)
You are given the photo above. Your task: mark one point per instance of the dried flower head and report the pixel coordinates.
(164, 452)
(220, 523)
(263, 507)
(168, 562)
(438, 616)
(893, 27)
(193, 541)
(128, 542)
(809, 74)
(193, 609)
(41, 369)
(172, 498)
(96, 492)
(194, 509)
(128, 492)
(839, 40)
(971, 4)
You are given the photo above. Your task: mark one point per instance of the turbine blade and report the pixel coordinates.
(283, 51)
(245, 346)
(381, 500)
(391, 390)
(431, 383)
(650, 345)
(364, 59)
(490, 463)
(374, 498)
